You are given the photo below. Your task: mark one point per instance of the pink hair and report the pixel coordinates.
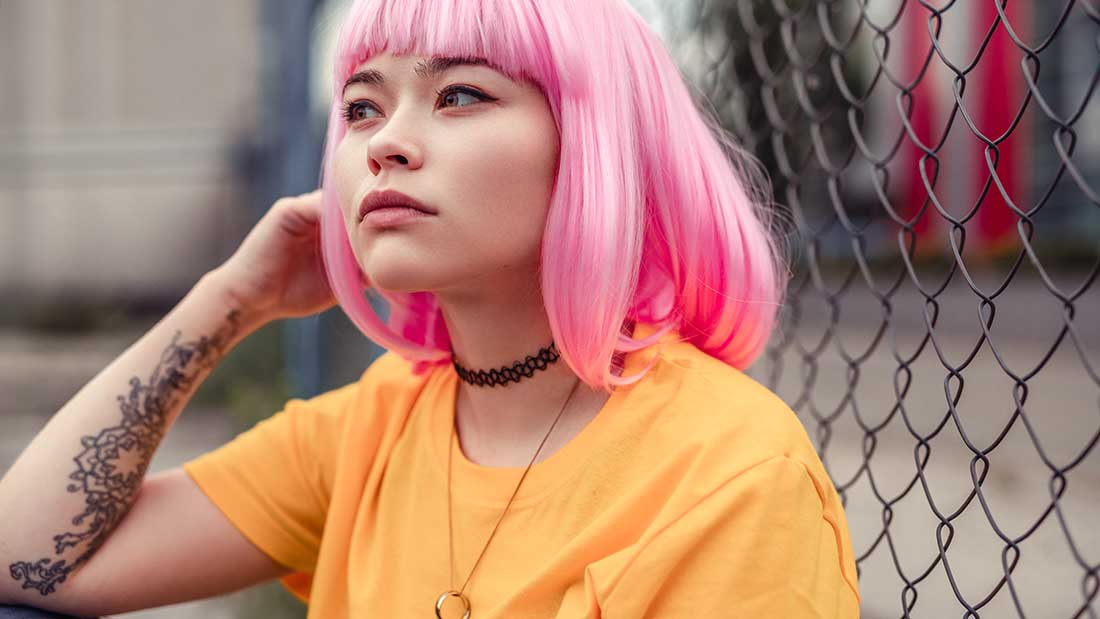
(656, 215)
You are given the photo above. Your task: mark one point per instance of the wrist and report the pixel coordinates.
(215, 286)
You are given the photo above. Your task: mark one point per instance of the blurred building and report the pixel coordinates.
(117, 121)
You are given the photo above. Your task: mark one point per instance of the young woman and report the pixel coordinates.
(577, 267)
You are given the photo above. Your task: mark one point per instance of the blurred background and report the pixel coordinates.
(935, 165)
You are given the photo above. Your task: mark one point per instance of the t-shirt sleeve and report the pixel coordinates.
(770, 542)
(274, 481)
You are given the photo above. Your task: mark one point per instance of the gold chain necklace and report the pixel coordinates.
(450, 528)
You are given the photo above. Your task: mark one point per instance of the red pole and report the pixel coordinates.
(997, 91)
(914, 193)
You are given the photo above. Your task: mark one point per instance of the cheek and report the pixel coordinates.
(509, 184)
(347, 176)
(517, 163)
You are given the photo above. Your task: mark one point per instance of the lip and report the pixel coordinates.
(388, 198)
(392, 216)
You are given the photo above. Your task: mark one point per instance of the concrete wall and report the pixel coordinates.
(116, 119)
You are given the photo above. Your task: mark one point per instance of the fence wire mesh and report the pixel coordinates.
(938, 165)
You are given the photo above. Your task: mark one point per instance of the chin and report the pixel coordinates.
(395, 280)
(399, 275)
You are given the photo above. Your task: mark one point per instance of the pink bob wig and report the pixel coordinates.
(656, 215)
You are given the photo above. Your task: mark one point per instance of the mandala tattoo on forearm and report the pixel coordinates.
(111, 466)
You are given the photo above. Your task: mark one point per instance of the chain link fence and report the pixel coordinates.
(937, 163)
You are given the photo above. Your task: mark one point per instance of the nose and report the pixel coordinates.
(393, 147)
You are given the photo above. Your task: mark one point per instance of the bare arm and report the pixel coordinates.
(73, 484)
(81, 529)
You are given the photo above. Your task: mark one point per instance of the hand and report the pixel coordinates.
(277, 272)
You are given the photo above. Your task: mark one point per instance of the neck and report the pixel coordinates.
(493, 332)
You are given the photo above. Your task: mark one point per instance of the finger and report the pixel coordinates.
(308, 204)
(308, 214)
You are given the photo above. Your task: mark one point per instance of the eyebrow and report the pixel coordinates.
(425, 70)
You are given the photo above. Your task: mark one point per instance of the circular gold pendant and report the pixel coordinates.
(452, 593)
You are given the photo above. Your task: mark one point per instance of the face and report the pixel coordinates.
(478, 148)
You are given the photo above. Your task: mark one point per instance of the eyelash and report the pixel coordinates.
(350, 107)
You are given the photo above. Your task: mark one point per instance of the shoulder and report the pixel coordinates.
(390, 380)
(722, 447)
(728, 417)
(389, 372)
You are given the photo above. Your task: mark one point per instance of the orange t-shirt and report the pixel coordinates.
(693, 493)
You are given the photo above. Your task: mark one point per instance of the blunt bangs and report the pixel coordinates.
(507, 34)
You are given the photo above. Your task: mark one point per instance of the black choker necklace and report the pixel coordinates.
(503, 375)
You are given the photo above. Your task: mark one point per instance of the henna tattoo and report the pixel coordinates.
(111, 467)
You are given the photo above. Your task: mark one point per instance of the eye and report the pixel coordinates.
(454, 94)
(353, 111)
